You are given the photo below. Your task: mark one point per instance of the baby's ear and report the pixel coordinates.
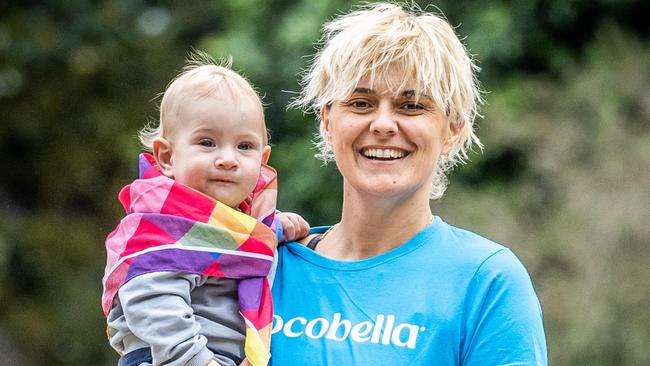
(162, 152)
(266, 153)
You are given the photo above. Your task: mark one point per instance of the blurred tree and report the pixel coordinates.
(575, 210)
(562, 181)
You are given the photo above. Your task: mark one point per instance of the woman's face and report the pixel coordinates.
(386, 144)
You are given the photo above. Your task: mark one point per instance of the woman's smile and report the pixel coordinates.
(385, 153)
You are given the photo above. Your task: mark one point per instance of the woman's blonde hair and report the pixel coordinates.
(424, 51)
(202, 76)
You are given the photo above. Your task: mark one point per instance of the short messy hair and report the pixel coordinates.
(420, 46)
(202, 76)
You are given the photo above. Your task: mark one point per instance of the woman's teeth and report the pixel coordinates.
(383, 153)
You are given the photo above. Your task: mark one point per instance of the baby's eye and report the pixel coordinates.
(245, 146)
(207, 143)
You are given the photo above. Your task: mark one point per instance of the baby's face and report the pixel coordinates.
(217, 146)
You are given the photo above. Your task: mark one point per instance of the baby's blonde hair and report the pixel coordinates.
(202, 76)
(424, 51)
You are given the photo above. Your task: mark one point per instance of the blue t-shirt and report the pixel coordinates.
(445, 297)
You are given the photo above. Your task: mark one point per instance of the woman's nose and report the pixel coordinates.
(384, 122)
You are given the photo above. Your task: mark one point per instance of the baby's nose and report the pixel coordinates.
(226, 161)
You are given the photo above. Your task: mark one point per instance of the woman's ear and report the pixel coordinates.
(450, 142)
(266, 153)
(162, 152)
(325, 123)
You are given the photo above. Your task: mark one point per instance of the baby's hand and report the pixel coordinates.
(294, 226)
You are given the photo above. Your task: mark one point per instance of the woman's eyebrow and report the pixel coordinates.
(364, 91)
(409, 93)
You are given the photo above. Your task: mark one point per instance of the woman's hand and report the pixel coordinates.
(294, 226)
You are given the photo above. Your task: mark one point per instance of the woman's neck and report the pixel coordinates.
(374, 225)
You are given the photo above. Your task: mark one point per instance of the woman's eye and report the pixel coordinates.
(412, 107)
(245, 146)
(207, 143)
(359, 104)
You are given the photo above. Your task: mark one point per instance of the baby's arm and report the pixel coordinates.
(215, 363)
(157, 310)
(293, 225)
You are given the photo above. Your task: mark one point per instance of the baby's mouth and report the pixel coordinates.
(223, 180)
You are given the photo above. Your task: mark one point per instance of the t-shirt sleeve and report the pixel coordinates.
(502, 316)
(157, 310)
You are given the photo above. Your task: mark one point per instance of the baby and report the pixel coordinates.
(186, 274)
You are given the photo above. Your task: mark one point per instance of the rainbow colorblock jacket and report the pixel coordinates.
(171, 227)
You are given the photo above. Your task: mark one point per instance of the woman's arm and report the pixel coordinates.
(502, 316)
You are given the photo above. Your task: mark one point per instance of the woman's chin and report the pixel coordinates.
(386, 186)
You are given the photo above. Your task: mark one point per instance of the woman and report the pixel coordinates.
(392, 284)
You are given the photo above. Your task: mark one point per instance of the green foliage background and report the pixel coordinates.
(564, 180)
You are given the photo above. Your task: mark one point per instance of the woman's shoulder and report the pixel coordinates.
(459, 239)
(314, 232)
(477, 250)
(489, 257)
